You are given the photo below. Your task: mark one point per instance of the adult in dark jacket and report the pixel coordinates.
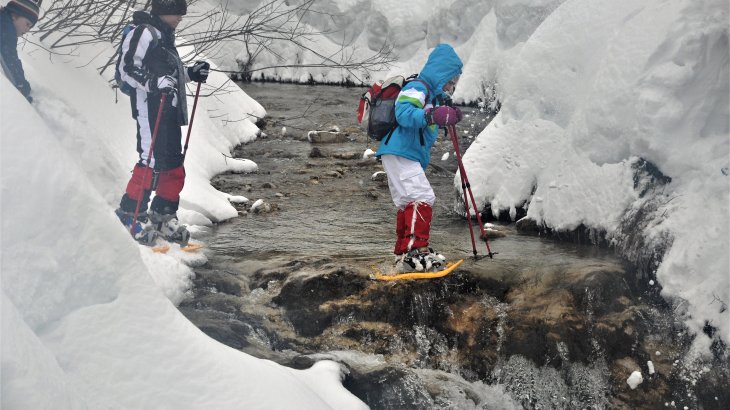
(406, 154)
(16, 19)
(151, 64)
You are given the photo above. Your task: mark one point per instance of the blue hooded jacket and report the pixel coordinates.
(443, 64)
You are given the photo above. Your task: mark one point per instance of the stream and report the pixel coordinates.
(544, 324)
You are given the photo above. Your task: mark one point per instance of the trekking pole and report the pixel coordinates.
(467, 186)
(192, 117)
(468, 213)
(149, 158)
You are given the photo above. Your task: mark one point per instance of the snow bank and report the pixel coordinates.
(597, 86)
(86, 323)
(484, 33)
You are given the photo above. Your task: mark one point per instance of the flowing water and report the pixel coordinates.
(544, 324)
(339, 217)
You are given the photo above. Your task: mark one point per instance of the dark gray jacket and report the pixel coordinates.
(9, 60)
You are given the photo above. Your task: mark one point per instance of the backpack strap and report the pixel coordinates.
(390, 134)
(413, 77)
(428, 90)
(153, 31)
(428, 94)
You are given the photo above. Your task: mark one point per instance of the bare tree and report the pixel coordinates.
(70, 24)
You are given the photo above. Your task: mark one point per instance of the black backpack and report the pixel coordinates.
(377, 106)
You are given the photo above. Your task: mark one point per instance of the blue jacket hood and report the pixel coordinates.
(442, 65)
(413, 138)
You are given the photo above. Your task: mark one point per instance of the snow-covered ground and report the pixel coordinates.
(589, 90)
(88, 317)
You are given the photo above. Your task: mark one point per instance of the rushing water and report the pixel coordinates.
(547, 324)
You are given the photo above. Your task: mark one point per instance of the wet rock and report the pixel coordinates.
(389, 389)
(235, 329)
(365, 162)
(495, 231)
(268, 185)
(221, 328)
(316, 152)
(372, 195)
(346, 155)
(379, 176)
(527, 225)
(301, 299)
(222, 283)
(301, 362)
(261, 207)
(333, 174)
(493, 234)
(326, 137)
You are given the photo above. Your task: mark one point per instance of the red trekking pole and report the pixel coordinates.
(466, 187)
(192, 117)
(149, 158)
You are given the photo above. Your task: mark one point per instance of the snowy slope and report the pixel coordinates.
(87, 320)
(594, 88)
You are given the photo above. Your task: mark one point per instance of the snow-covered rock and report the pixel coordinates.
(635, 380)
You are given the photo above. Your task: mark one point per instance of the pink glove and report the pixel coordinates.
(443, 116)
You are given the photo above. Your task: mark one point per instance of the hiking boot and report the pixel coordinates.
(170, 228)
(423, 260)
(143, 231)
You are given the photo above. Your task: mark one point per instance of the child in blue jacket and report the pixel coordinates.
(405, 155)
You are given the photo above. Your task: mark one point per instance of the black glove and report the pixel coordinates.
(199, 71)
(166, 84)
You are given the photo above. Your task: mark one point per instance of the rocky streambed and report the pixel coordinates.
(545, 324)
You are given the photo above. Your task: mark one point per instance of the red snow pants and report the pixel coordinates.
(412, 227)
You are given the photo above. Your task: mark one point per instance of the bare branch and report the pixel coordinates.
(271, 27)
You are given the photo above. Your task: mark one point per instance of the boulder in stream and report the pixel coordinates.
(326, 137)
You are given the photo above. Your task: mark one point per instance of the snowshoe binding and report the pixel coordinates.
(169, 228)
(421, 260)
(143, 231)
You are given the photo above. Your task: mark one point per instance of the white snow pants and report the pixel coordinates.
(407, 181)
